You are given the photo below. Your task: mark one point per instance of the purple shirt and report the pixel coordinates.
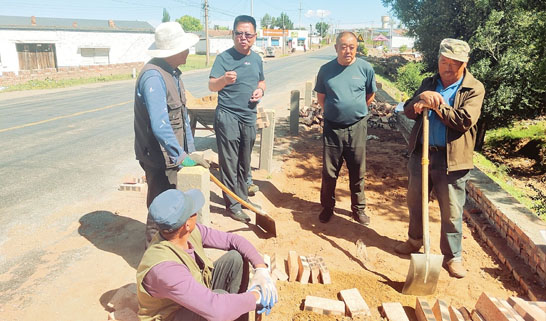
(174, 281)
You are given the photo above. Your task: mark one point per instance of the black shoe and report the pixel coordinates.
(253, 189)
(361, 217)
(239, 215)
(326, 215)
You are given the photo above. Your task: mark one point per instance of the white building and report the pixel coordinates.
(30, 43)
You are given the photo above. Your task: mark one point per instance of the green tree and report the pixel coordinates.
(190, 23)
(166, 16)
(322, 28)
(284, 22)
(410, 76)
(267, 21)
(218, 27)
(508, 56)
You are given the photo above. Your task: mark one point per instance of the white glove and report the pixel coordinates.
(199, 159)
(262, 280)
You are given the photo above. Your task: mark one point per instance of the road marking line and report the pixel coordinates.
(65, 116)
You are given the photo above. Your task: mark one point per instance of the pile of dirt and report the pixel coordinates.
(205, 101)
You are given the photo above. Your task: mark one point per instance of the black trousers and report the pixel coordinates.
(349, 144)
(235, 142)
(158, 180)
(230, 275)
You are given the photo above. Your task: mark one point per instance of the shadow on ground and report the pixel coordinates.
(117, 234)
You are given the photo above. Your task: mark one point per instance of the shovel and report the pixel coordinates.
(263, 220)
(424, 269)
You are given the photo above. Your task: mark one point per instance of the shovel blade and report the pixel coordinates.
(423, 274)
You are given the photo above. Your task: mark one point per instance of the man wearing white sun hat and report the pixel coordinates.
(163, 139)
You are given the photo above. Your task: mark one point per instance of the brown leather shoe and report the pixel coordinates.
(456, 269)
(408, 247)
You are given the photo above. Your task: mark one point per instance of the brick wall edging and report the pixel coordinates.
(514, 222)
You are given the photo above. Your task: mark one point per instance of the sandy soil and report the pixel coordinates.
(73, 273)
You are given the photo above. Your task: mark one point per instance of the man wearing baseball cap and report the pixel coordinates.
(177, 281)
(453, 99)
(163, 139)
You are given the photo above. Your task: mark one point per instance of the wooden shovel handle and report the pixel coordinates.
(424, 182)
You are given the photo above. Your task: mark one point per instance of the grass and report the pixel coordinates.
(390, 88)
(193, 62)
(499, 174)
(519, 131)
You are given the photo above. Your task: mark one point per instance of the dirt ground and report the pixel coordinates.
(83, 266)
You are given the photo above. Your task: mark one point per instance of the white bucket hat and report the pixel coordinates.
(170, 39)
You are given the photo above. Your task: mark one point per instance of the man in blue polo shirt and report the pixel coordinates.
(453, 99)
(237, 75)
(345, 88)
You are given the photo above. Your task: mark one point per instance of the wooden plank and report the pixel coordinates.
(304, 272)
(393, 311)
(293, 266)
(455, 315)
(355, 303)
(423, 311)
(441, 311)
(324, 306)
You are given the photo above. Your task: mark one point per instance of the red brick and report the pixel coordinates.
(315, 271)
(441, 311)
(293, 266)
(423, 311)
(493, 309)
(455, 315)
(324, 306)
(394, 311)
(527, 311)
(324, 272)
(355, 304)
(304, 272)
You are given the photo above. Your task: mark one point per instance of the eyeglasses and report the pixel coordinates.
(244, 34)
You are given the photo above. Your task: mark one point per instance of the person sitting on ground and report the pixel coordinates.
(177, 281)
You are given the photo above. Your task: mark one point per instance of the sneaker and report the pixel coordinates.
(408, 247)
(361, 217)
(456, 269)
(253, 189)
(326, 215)
(239, 215)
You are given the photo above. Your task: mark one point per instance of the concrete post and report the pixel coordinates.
(308, 90)
(267, 142)
(197, 177)
(294, 112)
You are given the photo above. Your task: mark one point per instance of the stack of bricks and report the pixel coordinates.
(133, 184)
(303, 269)
(487, 308)
(261, 118)
(517, 225)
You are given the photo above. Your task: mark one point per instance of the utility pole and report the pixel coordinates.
(207, 33)
(299, 24)
(283, 37)
(252, 8)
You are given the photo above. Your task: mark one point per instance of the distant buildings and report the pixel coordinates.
(37, 43)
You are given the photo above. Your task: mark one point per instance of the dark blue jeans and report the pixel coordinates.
(449, 188)
(235, 141)
(349, 144)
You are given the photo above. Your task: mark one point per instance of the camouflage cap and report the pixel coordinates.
(454, 49)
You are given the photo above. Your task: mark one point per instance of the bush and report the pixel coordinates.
(403, 48)
(410, 77)
(362, 49)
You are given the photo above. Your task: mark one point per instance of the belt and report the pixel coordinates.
(432, 148)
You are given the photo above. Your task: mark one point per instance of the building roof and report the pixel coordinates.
(43, 23)
(214, 33)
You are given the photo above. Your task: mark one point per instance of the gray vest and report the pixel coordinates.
(147, 148)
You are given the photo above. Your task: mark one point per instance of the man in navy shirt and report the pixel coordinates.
(237, 75)
(345, 88)
(163, 139)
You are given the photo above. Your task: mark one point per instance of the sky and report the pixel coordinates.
(342, 14)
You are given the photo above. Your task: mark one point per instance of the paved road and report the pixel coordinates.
(67, 146)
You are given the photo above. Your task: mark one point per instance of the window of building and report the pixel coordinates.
(95, 56)
(36, 55)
